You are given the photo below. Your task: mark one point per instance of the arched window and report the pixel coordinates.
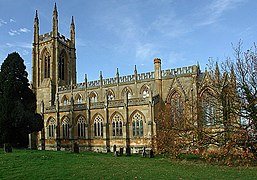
(66, 128)
(208, 108)
(78, 99)
(61, 65)
(93, 97)
(116, 125)
(110, 95)
(126, 90)
(81, 124)
(46, 65)
(137, 124)
(176, 105)
(145, 91)
(98, 126)
(51, 128)
(65, 100)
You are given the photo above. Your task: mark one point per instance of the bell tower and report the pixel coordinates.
(53, 61)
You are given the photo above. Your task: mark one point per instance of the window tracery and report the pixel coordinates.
(47, 65)
(137, 124)
(176, 105)
(208, 108)
(98, 126)
(66, 127)
(51, 128)
(116, 125)
(81, 124)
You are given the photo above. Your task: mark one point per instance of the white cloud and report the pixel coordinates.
(171, 25)
(145, 51)
(24, 30)
(2, 22)
(13, 32)
(17, 32)
(25, 52)
(12, 20)
(214, 11)
(20, 45)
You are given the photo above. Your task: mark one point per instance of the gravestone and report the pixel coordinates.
(114, 150)
(151, 154)
(143, 152)
(121, 151)
(128, 151)
(7, 148)
(75, 148)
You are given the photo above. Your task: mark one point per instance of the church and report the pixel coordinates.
(120, 112)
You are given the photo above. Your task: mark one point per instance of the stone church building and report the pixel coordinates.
(119, 111)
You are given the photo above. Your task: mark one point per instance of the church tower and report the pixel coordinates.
(53, 61)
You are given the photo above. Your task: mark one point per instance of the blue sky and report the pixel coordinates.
(124, 33)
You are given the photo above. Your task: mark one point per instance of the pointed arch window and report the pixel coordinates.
(93, 97)
(116, 125)
(110, 95)
(176, 105)
(47, 65)
(66, 128)
(78, 99)
(65, 100)
(61, 66)
(81, 124)
(51, 128)
(98, 126)
(145, 91)
(208, 108)
(137, 124)
(126, 90)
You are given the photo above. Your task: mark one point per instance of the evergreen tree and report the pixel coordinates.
(17, 103)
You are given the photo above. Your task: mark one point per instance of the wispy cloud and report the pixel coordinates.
(145, 51)
(12, 20)
(214, 11)
(18, 32)
(20, 45)
(171, 25)
(24, 30)
(2, 22)
(13, 32)
(25, 52)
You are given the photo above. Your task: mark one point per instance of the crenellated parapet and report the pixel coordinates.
(169, 73)
(63, 39)
(45, 37)
(48, 36)
(130, 79)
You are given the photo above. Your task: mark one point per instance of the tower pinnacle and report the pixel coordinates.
(55, 21)
(72, 32)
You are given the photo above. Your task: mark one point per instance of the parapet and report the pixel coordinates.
(45, 37)
(149, 76)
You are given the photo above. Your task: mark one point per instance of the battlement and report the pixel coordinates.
(169, 73)
(63, 38)
(48, 36)
(179, 71)
(45, 37)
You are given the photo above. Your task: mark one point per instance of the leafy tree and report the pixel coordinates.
(17, 103)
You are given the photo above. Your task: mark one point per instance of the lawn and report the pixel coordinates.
(29, 164)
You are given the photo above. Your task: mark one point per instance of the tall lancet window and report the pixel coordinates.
(209, 104)
(47, 65)
(61, 66)
(176, 106)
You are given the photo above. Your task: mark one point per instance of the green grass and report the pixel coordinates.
(28, 164)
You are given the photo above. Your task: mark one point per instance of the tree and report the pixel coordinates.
(226, 128)
(17, 103)
(246, 74)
